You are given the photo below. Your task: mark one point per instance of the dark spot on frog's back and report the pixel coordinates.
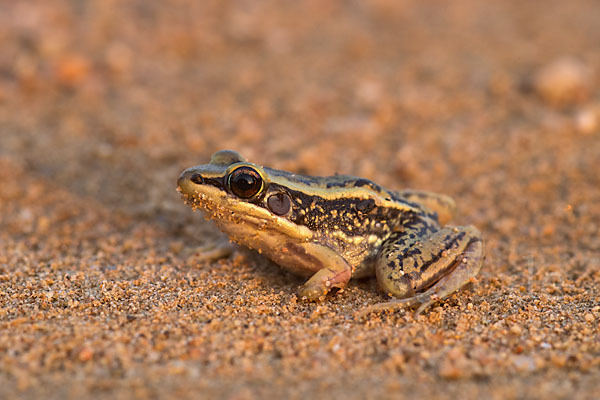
(351, 182)
(341, 183)
(366, 205)
(362, 182)
(365, 182)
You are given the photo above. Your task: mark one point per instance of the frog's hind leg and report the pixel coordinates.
(441, 204)
(426, 269)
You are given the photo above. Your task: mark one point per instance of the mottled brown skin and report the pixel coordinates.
(337, 228)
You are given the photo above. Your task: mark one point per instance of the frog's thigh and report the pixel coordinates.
(336, 273)
(440, 264)
(443, 205)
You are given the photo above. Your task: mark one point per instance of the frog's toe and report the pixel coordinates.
(324, 280)
(424, 300)
(311, 292)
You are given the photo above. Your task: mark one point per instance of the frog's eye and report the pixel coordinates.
(279, 203)
(245, 182)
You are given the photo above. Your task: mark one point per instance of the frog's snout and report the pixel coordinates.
(187, 179)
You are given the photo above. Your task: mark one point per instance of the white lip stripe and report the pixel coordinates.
(222, 206)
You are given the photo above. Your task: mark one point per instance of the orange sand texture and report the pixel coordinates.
(105, 292)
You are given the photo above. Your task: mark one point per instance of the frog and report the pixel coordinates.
(337, 228)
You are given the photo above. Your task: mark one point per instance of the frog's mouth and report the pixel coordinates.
(239, 218)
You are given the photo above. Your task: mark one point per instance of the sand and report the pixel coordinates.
(105, 287)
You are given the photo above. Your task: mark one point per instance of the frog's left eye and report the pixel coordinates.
(245, 182)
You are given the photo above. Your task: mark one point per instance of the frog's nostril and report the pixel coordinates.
(197, 179)
(187, 176)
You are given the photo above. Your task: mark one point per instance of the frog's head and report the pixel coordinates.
(239, 197)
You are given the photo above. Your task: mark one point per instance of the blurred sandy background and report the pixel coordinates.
(103, 291)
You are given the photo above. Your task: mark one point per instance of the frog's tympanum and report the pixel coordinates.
(337, 228)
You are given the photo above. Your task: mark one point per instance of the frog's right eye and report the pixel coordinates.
(245, 182)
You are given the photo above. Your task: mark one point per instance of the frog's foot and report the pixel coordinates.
(425, 300)
(425, 270)
(324, 280)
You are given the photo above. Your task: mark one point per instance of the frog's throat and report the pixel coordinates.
(238, 218)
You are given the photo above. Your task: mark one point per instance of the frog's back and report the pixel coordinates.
(340, 185)
(444, 206)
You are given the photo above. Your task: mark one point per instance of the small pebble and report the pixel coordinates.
(563, 81)
(587, 121)
(516, 330)
(589, 317)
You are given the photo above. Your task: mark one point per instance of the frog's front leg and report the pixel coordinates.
(424, 269)
(334, 272)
